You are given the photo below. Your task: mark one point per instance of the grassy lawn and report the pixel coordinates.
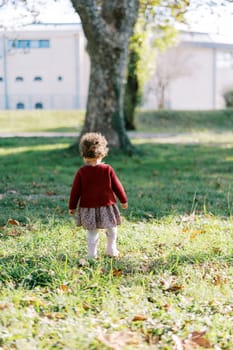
(171, 288)
(40, 120)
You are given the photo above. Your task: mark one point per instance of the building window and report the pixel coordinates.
(225, 59)
(20, 105)
(39, 105)
(1, 78)
(37, 78)
(44, 44)
(29, 44)
(59, 78)
(19, 78)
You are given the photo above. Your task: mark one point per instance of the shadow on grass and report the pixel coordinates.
(163, 180)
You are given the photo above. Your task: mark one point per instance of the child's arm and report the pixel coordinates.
(74, 194)
(119, 190)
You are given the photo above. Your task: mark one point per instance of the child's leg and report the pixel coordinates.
(111, 234)
(92, 243)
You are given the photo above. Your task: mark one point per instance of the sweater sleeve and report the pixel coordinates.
(117, 188)
(75, 192)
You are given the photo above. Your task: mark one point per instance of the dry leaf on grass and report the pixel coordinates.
(13, 222)
(55, 315)
(199, 339)
(15, 232)
(119, 340)
(64, 288)
(194, 340)
(4, 306)
(116, 272)
(139, 318)
(170, 285)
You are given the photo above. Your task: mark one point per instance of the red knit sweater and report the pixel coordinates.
(96, 186)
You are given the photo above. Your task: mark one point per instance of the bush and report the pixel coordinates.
(228, 97)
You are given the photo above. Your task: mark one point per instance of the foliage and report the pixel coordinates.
(153, 32)
(228, 97)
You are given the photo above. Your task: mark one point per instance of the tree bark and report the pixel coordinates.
(132, 94)
(107, 29)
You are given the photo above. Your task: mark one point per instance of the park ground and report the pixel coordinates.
(172, 286)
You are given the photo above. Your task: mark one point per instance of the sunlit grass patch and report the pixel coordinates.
(41, 120)
(34, 148)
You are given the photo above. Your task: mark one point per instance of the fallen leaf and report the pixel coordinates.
(4, 306)
(55, 315)
(32, 300)
(64, 288)
(170, 285)
(118, 340)
(196, 233)
(86, 306)
(51, 193)
(116, 272)
(174, 288)
(219, 280)
(139, 318)
(14, 233)
(13, 222)
(197, 338)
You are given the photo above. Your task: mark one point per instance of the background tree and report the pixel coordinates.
(154, 31)
(108, 25)
(170, 66)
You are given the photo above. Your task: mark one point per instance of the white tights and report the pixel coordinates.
(93, 238)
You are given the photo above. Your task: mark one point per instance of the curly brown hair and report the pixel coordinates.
(93, 145)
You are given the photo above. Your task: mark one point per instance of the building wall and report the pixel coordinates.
(200, 83)
(63, 83)
(198, 70)
(197, 88)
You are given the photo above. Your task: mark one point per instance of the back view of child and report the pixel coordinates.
(94, 191)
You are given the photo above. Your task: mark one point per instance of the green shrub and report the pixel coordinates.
(228, 97)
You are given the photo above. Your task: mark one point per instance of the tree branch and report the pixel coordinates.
(89, 12)
(104, 21)
(120, 13)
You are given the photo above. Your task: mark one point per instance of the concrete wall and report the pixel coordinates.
(202, 80)
(63, 68)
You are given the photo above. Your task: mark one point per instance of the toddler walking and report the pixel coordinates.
(94, 191)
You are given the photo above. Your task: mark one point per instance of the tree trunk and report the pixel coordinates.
(132, 94)
(108, 28)
(104, 112)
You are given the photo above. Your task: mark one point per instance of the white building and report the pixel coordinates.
(46, 66)
(43, 66)
(196, 73)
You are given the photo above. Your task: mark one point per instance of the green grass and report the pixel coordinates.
(149, 121)
(41, 121)
(184, 121)
(174, 275)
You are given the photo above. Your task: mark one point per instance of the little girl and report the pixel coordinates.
(94, 190)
